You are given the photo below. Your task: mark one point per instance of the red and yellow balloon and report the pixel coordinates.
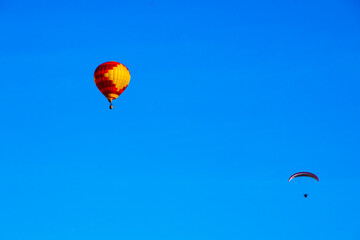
(111, 78)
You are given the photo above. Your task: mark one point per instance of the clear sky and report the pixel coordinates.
(227, 99)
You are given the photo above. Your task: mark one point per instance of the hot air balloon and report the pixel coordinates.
(111, 78)
(303, 174)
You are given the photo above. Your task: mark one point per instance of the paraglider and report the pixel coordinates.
(304, 174)
(111, 78)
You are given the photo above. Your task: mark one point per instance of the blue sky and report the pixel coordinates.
(226, 101)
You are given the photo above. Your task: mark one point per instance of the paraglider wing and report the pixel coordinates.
(111, 78)
(303, 174)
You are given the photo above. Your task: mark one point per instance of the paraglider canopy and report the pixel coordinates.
(303, 174)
